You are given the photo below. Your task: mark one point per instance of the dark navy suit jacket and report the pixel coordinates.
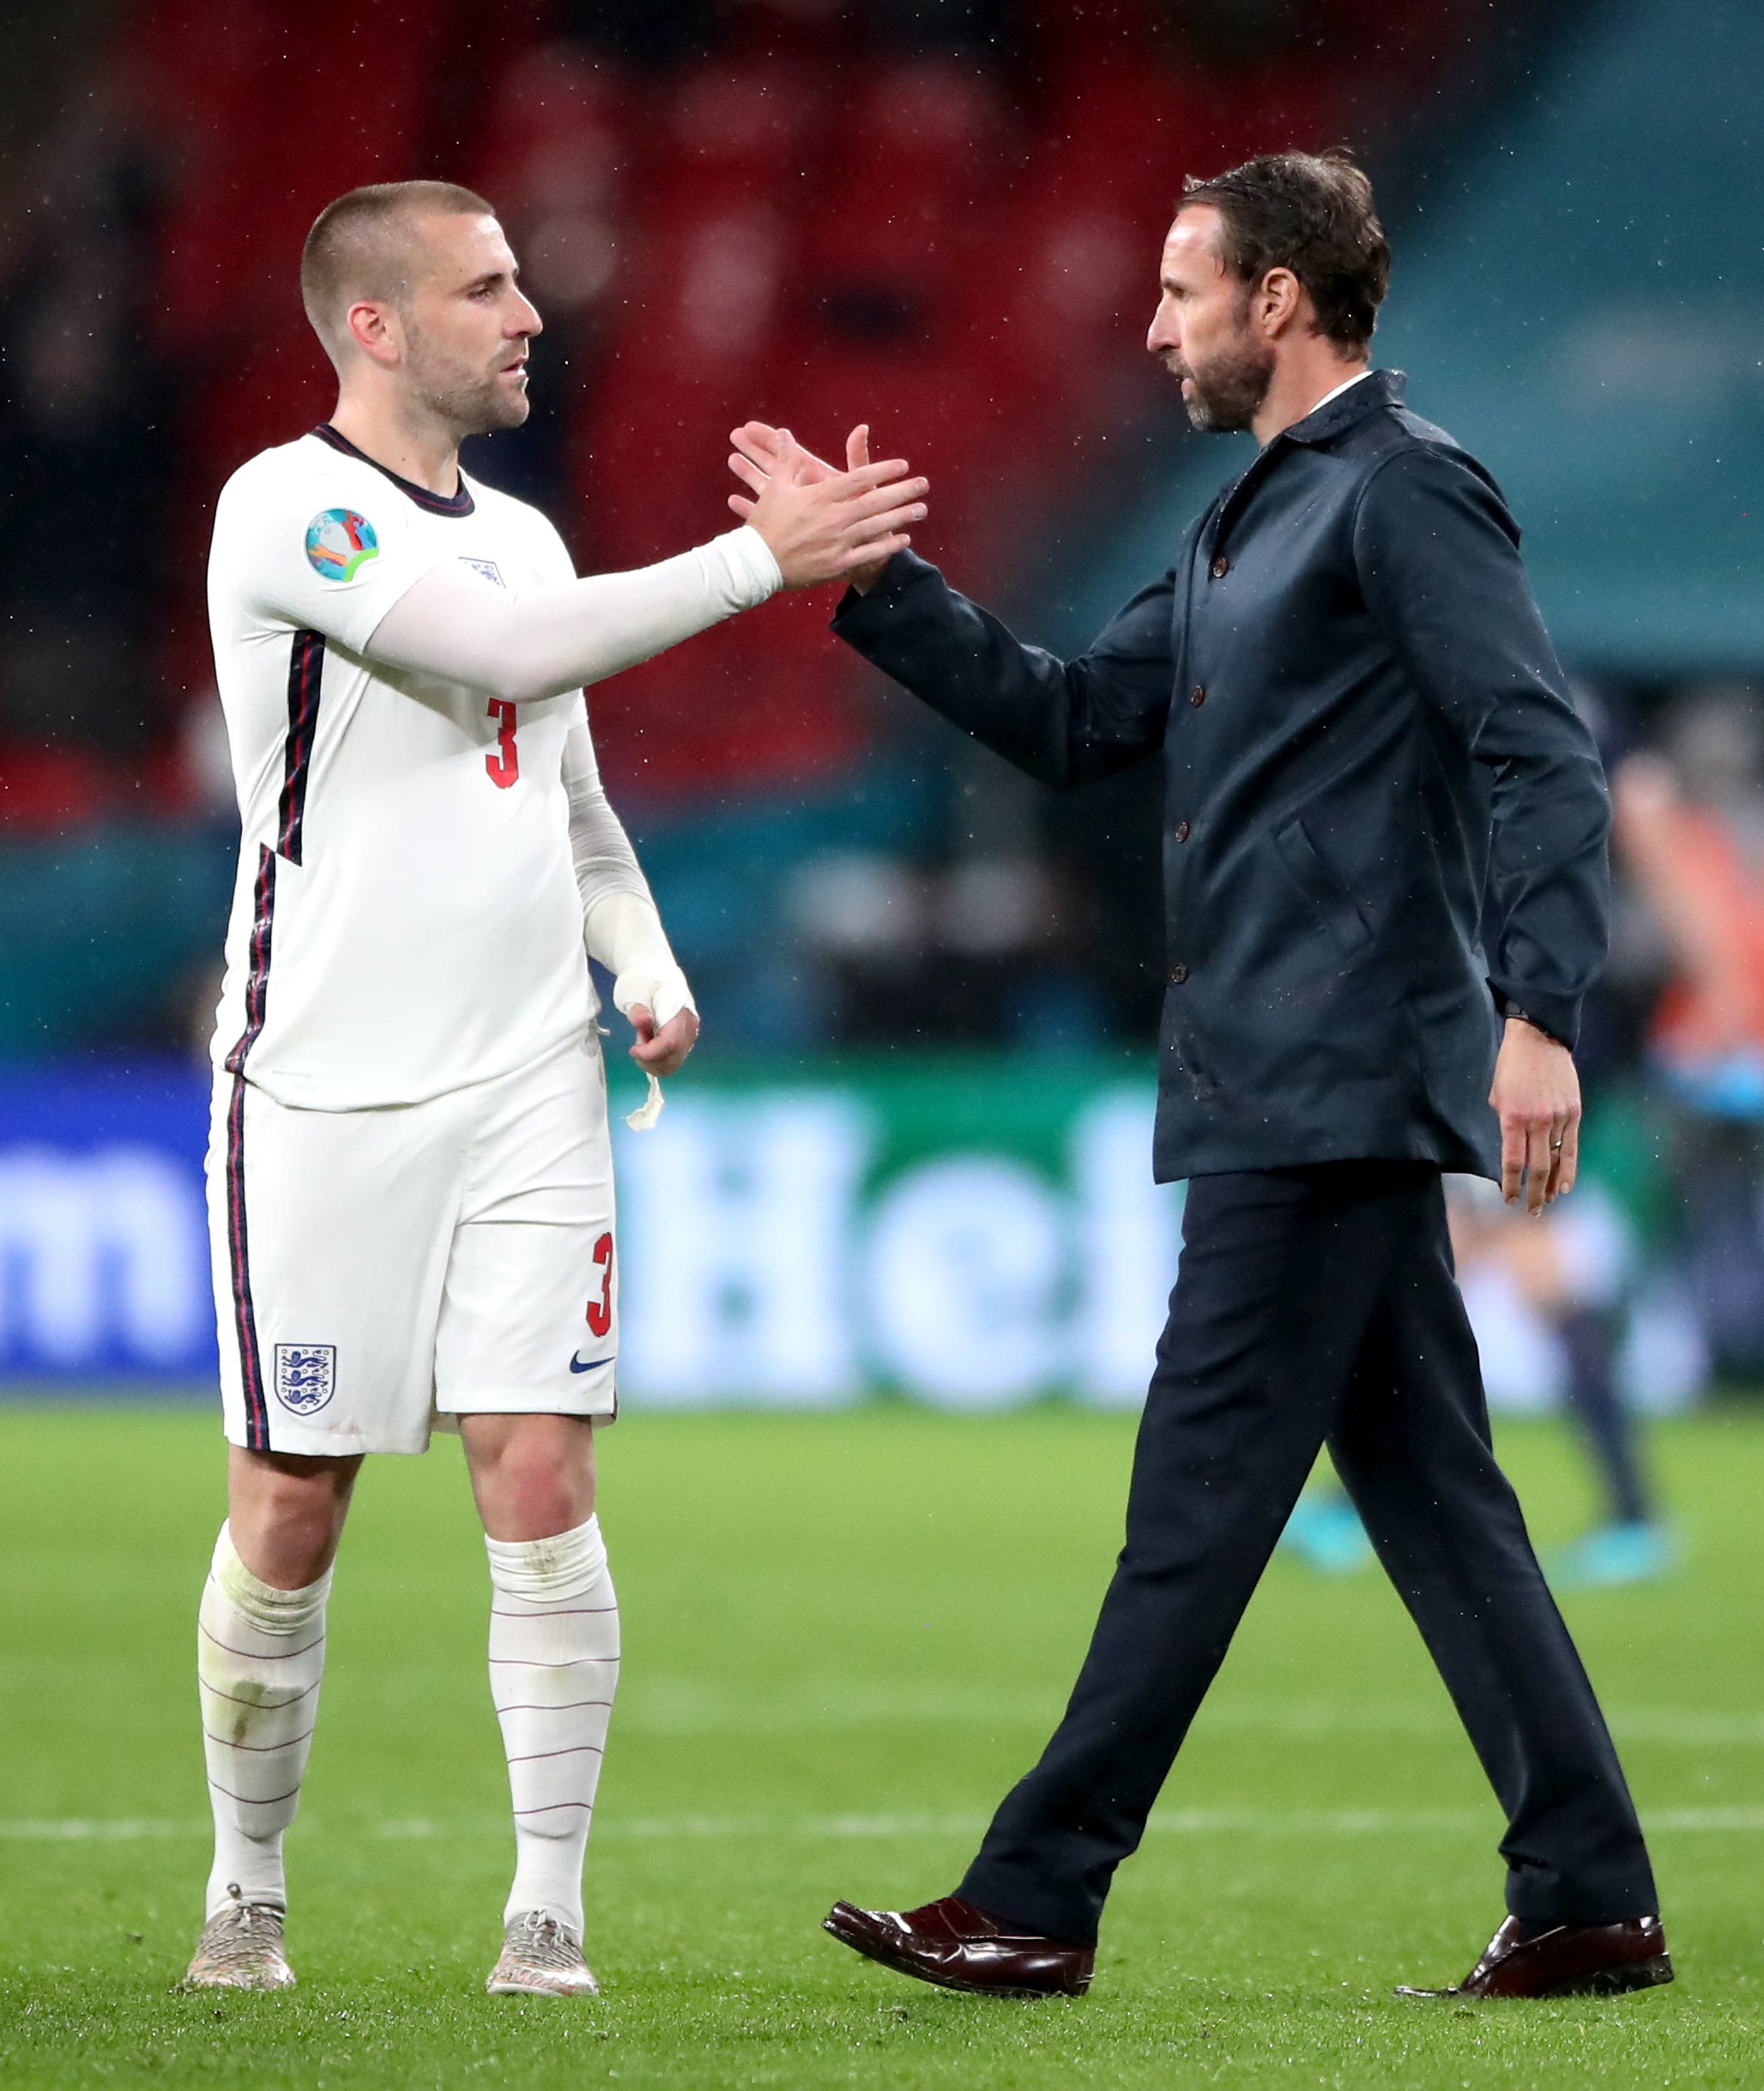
(1366, 735)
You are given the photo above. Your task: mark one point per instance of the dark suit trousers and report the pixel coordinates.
(1315, 1304)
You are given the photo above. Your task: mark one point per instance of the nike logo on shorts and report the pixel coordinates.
(580, 1364)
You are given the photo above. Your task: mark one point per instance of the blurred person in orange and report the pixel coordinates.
(1689, 831)
(1681, 827)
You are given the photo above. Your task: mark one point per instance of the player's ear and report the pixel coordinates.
(374, 329)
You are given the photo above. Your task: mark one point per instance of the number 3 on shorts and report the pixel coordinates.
(600, 1311)
(505, 766)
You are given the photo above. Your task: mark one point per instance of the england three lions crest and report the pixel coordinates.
(305, 1375)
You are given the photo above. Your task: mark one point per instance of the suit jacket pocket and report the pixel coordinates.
(1335, 906)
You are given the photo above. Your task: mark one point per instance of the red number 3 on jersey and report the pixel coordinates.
(505, 766)
(600, 1311)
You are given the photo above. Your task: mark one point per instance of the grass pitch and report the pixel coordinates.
(845, 1636)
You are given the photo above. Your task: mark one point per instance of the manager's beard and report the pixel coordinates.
(1229, 391)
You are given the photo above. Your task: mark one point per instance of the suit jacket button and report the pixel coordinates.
(1221, 567)
(1183, 831)
(1198, 694)
(1178, 974)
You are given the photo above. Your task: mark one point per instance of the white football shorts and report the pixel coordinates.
(379, 1272)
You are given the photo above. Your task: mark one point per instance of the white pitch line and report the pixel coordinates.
(1182, 1821)
(75, 1829)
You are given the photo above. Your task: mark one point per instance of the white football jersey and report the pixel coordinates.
(406, 919)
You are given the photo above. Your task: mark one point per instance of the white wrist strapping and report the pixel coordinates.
(624, 933)
(620, 920)
(525, 643)
(620, 923)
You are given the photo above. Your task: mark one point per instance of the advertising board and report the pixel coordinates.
(968, 1234)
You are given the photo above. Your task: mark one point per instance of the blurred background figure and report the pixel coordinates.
(1573, 1269)
(1567, 1276)
(1690, 831)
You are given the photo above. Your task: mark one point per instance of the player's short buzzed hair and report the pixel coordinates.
(364, 245)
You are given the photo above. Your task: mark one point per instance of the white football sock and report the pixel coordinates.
(553, 1669)
(260, 1654)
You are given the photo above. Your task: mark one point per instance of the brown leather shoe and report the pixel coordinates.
(1566, 1960)
(959, 1947)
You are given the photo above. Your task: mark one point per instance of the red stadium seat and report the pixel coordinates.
(558, 137)
(46, 788)
(912, 192)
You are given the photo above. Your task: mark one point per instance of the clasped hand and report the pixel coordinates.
(823, 524)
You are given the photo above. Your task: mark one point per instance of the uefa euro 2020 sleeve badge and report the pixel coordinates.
(340, 543)
(305, 1375)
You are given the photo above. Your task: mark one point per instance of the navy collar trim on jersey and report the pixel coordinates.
(459, 504)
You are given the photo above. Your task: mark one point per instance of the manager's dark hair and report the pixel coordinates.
(1311, 213)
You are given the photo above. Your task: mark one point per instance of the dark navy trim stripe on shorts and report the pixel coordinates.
(305, 677)
(238, 1255)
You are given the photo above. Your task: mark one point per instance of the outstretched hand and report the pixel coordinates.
(763, 455)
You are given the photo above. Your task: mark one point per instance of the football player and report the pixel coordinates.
(411, 1190)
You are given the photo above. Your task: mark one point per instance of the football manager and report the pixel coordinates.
(1372, 765)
